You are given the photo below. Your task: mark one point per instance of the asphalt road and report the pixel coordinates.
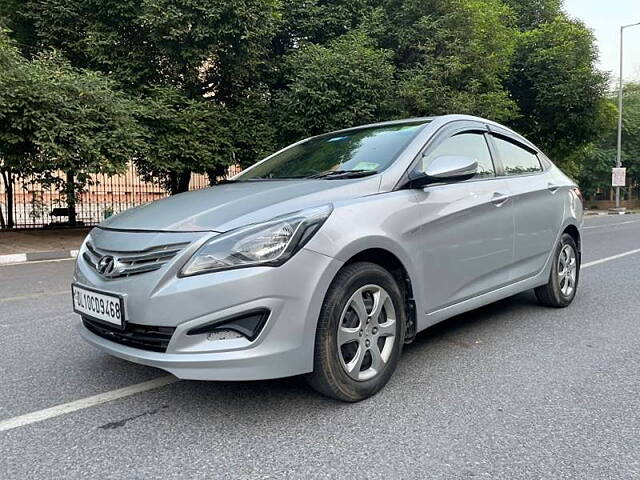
(512, 390)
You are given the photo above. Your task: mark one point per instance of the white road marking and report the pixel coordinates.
(35, 261)
(608, 259)
(83, 403)
(101, 398)
(34, 295)
(611, 224)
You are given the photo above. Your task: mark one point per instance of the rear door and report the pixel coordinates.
(537, 206)
(467, 237)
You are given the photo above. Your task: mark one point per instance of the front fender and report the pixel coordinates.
(390, 221)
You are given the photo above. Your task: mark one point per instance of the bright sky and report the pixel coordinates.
(605, 17)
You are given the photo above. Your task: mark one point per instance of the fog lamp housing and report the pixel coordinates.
(248, 324)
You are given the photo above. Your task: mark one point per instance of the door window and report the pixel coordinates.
(468, 144)
(515, 159)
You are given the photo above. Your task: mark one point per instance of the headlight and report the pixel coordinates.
(269, 243)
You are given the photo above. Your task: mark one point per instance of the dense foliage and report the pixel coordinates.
(57, 117)
(201, 84)
(559, 95)
(598, 157)
(347, 82)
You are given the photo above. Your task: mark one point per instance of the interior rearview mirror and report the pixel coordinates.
(446, 168)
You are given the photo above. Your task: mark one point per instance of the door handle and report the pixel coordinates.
(552, 188)
(499, 199)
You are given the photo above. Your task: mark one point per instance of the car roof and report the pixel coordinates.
(442, 120)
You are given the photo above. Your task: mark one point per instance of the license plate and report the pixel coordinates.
(98, 305)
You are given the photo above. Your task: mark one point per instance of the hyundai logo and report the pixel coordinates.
(106, 265)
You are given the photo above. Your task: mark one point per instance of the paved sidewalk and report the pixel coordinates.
(36, 241)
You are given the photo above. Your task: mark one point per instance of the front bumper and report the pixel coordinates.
(293, 293)
(256, 363)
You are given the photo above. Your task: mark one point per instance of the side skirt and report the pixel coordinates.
(481, 300)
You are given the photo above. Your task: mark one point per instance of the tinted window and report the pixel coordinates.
(516, 160)
(472, 145)
(369, 149)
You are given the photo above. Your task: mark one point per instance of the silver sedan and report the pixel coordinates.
(328, 256)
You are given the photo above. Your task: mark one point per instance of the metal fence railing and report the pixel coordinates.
(37, 206)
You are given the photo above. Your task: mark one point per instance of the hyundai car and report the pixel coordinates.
(328, 256)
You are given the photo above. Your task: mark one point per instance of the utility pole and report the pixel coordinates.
(619, 156)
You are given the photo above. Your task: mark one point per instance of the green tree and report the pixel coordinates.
(451, 56)
(318, 21)
(54, 117)
(251, 127)
(21, 28)
(599, 157)
(181, 136)
(208, 51)
(391, 58)
(631, 130)
(346, 83)
(558, 90)
(241, 78)
(532, 14)
(16, 138)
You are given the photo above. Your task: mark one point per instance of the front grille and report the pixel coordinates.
(144, 337)
(131, 263)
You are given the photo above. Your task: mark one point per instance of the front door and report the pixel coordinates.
(467, 238)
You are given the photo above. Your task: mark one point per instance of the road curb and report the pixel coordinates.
(15, 258)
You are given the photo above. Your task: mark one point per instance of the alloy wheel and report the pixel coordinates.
(366, 332)
(567, 270)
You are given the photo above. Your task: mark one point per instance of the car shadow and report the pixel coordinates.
(234, 403)
(480, 317)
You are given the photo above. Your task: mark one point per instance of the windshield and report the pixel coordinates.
(366, 151)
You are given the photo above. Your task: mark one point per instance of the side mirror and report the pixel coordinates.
(446, 168)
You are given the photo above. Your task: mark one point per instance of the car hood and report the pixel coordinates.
(227, 206)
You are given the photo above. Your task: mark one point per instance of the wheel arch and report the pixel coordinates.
(572, 230)
(394, 265)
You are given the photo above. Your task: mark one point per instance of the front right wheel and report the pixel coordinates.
(561, 288)
(360, 333)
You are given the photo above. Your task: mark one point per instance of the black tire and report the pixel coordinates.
(329, 376)
(551, 294)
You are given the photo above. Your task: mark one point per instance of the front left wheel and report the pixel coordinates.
(360, 333)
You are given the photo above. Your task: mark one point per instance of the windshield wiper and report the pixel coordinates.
(329, 174)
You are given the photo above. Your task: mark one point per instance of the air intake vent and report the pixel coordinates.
(144, 337)
(113, 264)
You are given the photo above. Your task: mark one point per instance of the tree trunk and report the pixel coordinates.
(173, 183)
(216, 173)
(183, 181)
(3, 225)
(71, 197)
(7, 178)
(179, 182)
